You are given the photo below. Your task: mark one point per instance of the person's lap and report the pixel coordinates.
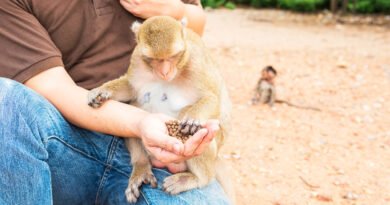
(44, 159)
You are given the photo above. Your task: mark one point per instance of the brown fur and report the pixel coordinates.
(196, 70)
(265, 91)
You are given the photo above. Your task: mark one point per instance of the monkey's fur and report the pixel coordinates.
(171, 64)
(265, 91)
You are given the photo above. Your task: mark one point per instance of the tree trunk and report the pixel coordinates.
(345, 6)
(354, 6)
(333, 6)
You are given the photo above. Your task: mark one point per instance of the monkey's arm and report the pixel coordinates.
(256, 93)
(118, 89)
(205, 108)
(272, 97)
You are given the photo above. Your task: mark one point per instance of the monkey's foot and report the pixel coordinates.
(97, 97)
(132, 191)
(180, 182)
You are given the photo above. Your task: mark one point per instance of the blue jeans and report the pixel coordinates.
(46, 160)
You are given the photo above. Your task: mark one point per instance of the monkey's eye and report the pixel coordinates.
(147, 59)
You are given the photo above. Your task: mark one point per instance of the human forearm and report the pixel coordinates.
(194, 14)
(196, 18)
(113, 117)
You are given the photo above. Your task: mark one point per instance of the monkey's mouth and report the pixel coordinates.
(168, 76)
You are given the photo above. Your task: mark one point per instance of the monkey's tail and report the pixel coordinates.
(225, 180)
(297, 106)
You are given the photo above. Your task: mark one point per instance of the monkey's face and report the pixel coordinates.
(162, 45)
(165, 68)
(268, 76)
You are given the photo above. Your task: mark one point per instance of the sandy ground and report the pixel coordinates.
(284, 155)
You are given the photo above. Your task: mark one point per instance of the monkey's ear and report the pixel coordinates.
(135, 27)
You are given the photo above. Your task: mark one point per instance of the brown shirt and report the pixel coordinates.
(90, 38)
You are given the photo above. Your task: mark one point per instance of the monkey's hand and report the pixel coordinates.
(199, 142)
(183, 129)
(97, 97)
(196, 177)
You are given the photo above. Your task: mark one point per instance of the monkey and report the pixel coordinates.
(171, 72)
(265, 91)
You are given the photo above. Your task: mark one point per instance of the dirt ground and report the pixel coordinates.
(284, 155)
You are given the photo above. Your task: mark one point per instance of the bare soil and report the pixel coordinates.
(284, 155)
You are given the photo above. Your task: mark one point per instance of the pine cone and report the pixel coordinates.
(183, 130)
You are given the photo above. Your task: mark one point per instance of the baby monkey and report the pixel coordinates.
(265, 91)
(171, 72)
(265, 87)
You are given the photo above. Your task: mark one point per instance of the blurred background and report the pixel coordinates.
(332, 56)
(354, 6)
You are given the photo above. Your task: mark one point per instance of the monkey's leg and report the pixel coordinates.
(118, 89)
(263, 97)
(272, 97)
(201, 172)
(225, 179)
(255, 98)
(142, 170)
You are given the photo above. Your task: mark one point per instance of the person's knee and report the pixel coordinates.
(20, 103)
(13, 93)
(210, 194)
(8, 86)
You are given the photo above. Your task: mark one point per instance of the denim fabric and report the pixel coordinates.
(46, 160)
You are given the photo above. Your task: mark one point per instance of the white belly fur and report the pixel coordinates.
(158, 96)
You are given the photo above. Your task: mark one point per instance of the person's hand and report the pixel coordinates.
(154, 135)
(196, 144)
(192, 147)
(148, 8)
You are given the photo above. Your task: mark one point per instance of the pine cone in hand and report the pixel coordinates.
(183, 130)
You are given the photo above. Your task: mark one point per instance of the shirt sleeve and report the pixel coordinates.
(25, 46)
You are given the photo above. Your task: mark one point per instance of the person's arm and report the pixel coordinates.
(117, 118)
(177, 9)
(56, 85)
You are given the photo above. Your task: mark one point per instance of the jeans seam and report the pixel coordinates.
(124, 173)
(75, 149)
(111, 154)
(87, 155)
(143, 195)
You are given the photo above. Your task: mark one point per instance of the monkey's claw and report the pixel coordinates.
(97, 97)
(132, 191)
(190, 126)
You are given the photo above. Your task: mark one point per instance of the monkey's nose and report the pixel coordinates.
(165, 74)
